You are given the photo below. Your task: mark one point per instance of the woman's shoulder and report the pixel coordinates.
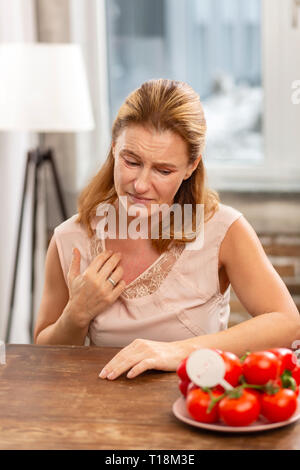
(224, 214)
(69, 225)
(218, 226)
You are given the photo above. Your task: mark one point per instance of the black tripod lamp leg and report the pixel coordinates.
(57, 186)
(33, 248)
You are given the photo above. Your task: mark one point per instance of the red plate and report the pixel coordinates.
(262, 424)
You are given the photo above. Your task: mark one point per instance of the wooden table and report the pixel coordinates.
(51, 398)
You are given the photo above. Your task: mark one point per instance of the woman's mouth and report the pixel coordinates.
(136, 199)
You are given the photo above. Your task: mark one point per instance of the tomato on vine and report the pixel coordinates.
(279, 406)
(198, 403)
(239, 408)
(181, 370)
(287, 357)
(233, 368)
(260, 367)
(183, 386)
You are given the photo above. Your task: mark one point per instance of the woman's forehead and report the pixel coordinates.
(146, 141)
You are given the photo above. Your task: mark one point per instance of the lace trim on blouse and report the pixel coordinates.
(150, 280)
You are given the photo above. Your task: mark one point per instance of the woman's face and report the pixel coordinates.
(150, 165)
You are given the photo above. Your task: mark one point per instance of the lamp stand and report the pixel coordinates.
(36, 159)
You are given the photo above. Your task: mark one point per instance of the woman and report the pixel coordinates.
(158, 298)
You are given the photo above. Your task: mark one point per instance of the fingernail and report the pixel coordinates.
(103, 373)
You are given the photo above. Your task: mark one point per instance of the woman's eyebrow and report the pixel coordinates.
(131, 153)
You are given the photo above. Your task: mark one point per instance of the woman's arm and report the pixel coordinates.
(266, 331)
(275, 322)
(63, 331)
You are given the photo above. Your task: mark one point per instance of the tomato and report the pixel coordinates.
(197, 403)
(181, 370)
(192, 386)
(233, 368)
(183, 386)
(260, 367)
(240, 411)
(287, 357)
(255, 392)
(279, 406)
(218, 388)
(296, 391)
(296, 374)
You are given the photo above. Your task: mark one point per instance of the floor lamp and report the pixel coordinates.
(43, 88)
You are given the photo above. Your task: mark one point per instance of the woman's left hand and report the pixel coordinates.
(141, 355)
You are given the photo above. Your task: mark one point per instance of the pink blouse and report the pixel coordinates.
(176, 298)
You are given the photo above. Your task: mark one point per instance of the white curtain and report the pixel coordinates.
(88, 28)
(17, 24)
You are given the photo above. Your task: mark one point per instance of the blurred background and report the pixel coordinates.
(241, 56)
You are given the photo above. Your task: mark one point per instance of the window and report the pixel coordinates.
(235, 54)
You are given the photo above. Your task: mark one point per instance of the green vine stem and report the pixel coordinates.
(244, 356)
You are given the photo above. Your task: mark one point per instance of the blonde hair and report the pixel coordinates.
(163, 105)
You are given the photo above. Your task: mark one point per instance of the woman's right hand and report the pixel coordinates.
(90, 293)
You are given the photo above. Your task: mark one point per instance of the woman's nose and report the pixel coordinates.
(142, 181)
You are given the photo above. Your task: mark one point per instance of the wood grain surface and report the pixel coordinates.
(51, 398)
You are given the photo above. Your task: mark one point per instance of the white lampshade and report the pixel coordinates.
(43, 88)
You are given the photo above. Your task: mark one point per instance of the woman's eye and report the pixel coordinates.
(131, 163)
(163, 172)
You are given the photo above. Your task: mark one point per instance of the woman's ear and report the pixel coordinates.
(192, 167)
(113, 145)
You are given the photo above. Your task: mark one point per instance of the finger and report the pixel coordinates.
(109, 266)
(116, 275)
(119, 370)
(128, 351)
(119, 364)
(117, 291)
(74, 269)
(141, 367)
(108, 368)
(99, 261)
